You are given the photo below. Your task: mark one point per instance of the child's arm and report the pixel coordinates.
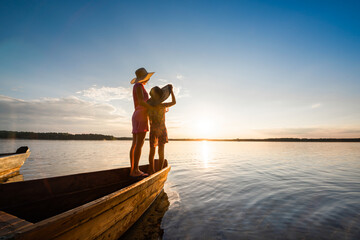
(173, 100)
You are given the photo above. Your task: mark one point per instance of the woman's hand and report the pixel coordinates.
(171, 87)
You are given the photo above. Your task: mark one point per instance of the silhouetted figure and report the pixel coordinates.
(158, 132)
(139, 120)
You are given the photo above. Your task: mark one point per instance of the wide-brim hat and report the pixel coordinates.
(165, 94)
(141, 76)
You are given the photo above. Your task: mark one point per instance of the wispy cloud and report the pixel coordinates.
(181, 92)
(163, 80)
(316, 105)
(105, 94)
(60, 114)
(179, 77)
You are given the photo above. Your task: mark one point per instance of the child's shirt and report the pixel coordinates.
(158, 132)
(157, 117)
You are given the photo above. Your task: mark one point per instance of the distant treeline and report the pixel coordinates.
(53, 136)
(69, 136)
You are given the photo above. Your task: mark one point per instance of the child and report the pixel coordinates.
(156, 112)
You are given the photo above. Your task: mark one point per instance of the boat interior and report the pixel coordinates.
(39, 199)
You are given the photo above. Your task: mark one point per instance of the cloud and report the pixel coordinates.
(181, 92)
(105, 94)
(316, 105)
(163, 80)
(61, 114)
(179, 77)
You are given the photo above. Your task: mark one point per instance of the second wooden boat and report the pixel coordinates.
(94, 205)
(10, 163)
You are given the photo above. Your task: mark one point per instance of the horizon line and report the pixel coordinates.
(5, 134)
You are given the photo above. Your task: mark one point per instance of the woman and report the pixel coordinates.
(139, 120)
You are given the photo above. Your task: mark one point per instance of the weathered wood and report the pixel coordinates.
(17, 177)
(131, 207)
(6, 174)
(119, 228)
(12, 162)
(112, 214)
(79, 216)
(9, 223)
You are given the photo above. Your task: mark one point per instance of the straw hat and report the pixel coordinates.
(141, 76)
(164, 93)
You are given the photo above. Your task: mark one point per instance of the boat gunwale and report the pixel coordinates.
(7, 155)
(3, 155)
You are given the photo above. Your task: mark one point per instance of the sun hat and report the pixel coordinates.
(164, 93)
(141, 76)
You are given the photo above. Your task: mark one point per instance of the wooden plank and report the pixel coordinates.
(9, 173)
(10, 223)
(123, 212)
(72, 219)
(75, 221)
(16, 178)
(120, 227)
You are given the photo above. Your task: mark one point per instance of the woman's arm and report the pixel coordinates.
(173, 100)
(140, 97)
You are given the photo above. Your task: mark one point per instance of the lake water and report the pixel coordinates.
(227, 190)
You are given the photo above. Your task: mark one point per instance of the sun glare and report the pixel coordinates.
(205, 153)
(205, 128)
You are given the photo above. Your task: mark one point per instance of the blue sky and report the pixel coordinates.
(240, 68)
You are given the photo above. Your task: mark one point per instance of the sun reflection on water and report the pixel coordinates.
(205, 153)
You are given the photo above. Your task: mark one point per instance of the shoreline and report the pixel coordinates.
(91, 137)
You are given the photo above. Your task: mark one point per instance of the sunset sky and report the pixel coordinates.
(241, 69)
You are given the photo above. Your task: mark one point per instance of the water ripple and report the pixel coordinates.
(230, 190)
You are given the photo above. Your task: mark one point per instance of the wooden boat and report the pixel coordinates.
(94, 205)
(10, 163)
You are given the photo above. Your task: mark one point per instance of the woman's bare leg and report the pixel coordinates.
(151, 160)
(161, 151)
(140, 138)
(132, 153)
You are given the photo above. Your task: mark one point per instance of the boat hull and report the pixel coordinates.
(107, 217)
(10, 163)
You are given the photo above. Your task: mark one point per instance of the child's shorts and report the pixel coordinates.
(158, 138)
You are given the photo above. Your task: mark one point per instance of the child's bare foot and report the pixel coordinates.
(151, 171)
(138, 174)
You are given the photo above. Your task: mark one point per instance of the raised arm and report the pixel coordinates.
(173, 100)
(140, 97)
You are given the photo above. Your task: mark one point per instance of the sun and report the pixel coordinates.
(205, 128)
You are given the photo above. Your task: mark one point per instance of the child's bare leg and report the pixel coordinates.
(161, 151)
(151, 160)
